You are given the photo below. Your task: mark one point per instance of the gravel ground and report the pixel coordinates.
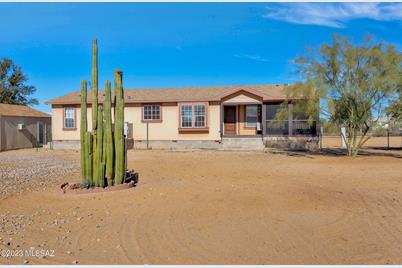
(28, 169)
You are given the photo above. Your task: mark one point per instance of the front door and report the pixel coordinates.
(229, 120)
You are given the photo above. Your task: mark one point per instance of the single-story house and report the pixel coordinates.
(23, 127)
(192, 117)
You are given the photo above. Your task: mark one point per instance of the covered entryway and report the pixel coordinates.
(242, 119)
(241, 114)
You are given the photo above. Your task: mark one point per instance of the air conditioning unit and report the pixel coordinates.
(20, 126)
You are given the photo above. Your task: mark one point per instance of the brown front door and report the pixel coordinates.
(229, 120)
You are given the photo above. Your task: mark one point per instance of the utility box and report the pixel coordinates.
(126, 132)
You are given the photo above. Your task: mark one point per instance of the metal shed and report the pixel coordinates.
(23, 127)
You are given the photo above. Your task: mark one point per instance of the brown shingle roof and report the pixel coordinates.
(20, 110)
(147, 95)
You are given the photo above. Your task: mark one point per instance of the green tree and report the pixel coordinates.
(13, 88)
(350, 85)
(394, 110)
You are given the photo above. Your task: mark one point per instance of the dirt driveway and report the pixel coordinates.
(220, 208)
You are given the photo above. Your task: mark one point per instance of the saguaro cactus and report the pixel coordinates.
(103, 151)
(83, 130)
(119, 171)
(94, 84)
(109, 145)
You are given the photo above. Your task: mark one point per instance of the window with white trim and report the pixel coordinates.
(69, 117)
(193, 115)
(152, 112)
(199, 115)
(251, 115)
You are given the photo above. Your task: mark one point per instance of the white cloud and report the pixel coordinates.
(334, 14)
(251, 57)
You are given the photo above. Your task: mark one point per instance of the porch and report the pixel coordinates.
(258, 119)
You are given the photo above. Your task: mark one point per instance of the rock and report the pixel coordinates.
(75, 262)
(26, 261)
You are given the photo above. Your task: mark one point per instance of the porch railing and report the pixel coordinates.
(295, 127)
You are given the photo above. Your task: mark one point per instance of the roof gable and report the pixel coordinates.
(242, 96)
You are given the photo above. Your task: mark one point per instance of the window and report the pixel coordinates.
(151, 112)
(199, 115)
(193, 116)
(69, 118)
(186, 116)
(251, 115)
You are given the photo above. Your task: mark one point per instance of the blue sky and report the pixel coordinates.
(179, 44)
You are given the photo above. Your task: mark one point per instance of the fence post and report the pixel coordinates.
(388, 139)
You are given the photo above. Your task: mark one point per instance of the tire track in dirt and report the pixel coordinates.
(384, 220)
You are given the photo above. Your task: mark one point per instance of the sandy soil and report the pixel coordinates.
(221, 208)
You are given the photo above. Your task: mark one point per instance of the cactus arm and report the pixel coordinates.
(94, 159)
(99, 149)
(118, 130)
(88, 156)
(83, 130)
(109, 146)
(94, 84)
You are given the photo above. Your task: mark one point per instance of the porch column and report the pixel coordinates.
(221, 119)
(290, 118)
(264, 119)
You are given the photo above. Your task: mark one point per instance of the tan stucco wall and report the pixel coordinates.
(165, 130)
(12, 138)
